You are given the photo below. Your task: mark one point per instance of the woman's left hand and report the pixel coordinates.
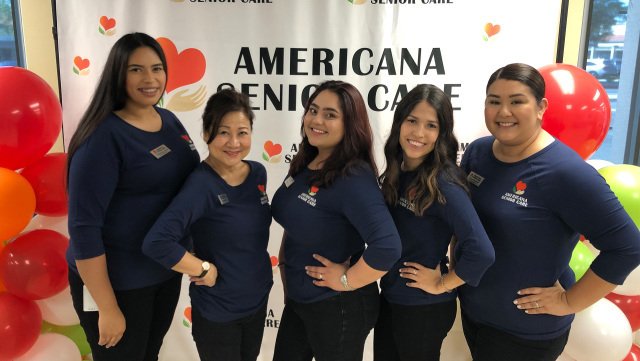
(544, 300)
(328, 275)
(424, 278)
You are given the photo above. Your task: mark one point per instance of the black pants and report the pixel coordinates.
(409, 333)
(489, 344)
(238, 340)
(334, 329)
(148, 313)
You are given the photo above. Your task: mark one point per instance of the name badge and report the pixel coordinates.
(223, 199)
(475, 179)
(288, 182)
(160, 151)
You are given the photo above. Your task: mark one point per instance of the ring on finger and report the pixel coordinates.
(320, 277)
(537, 305)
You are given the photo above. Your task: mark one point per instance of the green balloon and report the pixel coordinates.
(75, 333)
(581, 259)
(624, 180)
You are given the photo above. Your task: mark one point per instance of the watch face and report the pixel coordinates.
(205, 266)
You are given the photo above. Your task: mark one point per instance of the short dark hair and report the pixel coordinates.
(526, 74)
(356, 147)
(220, 104)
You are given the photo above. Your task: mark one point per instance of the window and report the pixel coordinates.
(606, 38)
(9, 40)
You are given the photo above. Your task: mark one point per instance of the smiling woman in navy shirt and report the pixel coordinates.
(127, 160)
(427, 196)
(224, 207)
(339, 236)
(535, 196)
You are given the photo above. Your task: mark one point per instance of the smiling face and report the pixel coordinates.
(232, 142)
(146, 78)
(418, 134)
(512, 114)
(323, 122)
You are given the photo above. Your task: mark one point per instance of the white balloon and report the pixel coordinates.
(58, 224)
(600, 333)
(631, 286)
(58, 309)
(52, 346)
(599, 163)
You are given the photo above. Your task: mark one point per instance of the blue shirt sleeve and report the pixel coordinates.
(588, 205)
(164, 241)
(93, 177)
(364, 207)
(474, 252)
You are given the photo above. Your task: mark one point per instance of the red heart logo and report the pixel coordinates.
(80, 63)
(491, 29)
(261, 188)
(272, 149)
(314, 189)
(187, 313)
(186, 67)
(274, 261)
(107, 23)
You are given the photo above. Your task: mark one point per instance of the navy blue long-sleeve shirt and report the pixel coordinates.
(533, 211)
(425, 240)
(120, 180)
(230, 228)
(335, 222)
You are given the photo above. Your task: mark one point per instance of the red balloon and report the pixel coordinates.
(33, 266)
(19, 325)
(47, 177)
(579, 111)
(30, 117)
(634, 354)
(630, 306)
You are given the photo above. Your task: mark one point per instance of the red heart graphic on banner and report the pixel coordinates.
(491, 29)
(186, 67)
(107, 23)
(80, 63)
(271, 148)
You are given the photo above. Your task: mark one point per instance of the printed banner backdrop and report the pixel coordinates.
(276, 50)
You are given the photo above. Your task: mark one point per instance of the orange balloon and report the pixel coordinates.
(17, 203)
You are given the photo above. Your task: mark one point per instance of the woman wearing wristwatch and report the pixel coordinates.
(224, 207)
(339, 236)
(428, 199)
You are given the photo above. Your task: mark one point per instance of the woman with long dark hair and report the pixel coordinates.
(339, 236)
(427, 196)
(126, 161)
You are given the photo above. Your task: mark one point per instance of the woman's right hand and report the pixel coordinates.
(209, 279)
(111, 327)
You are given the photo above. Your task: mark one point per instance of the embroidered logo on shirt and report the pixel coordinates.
(313, 190)
(519, 188)
(223, 199)
(308, 197)
(264, 198)
(517, 198)
(160, 151)
(191, 145)
(407, 204)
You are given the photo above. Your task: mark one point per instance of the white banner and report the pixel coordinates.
(275, 50)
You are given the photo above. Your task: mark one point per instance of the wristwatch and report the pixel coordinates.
(206, 266)
(345, 282)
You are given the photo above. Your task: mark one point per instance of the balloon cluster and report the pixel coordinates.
(579, 115)
(37, 320)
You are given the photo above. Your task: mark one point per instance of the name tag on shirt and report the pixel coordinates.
(289, 181)
(475, 179)
(223, 199)
(88, 303)
(160, 151)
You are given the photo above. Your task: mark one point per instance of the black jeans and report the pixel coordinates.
(409, 333)
(148, 313)
(489, 344)
(334, 329)
(237, 340)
